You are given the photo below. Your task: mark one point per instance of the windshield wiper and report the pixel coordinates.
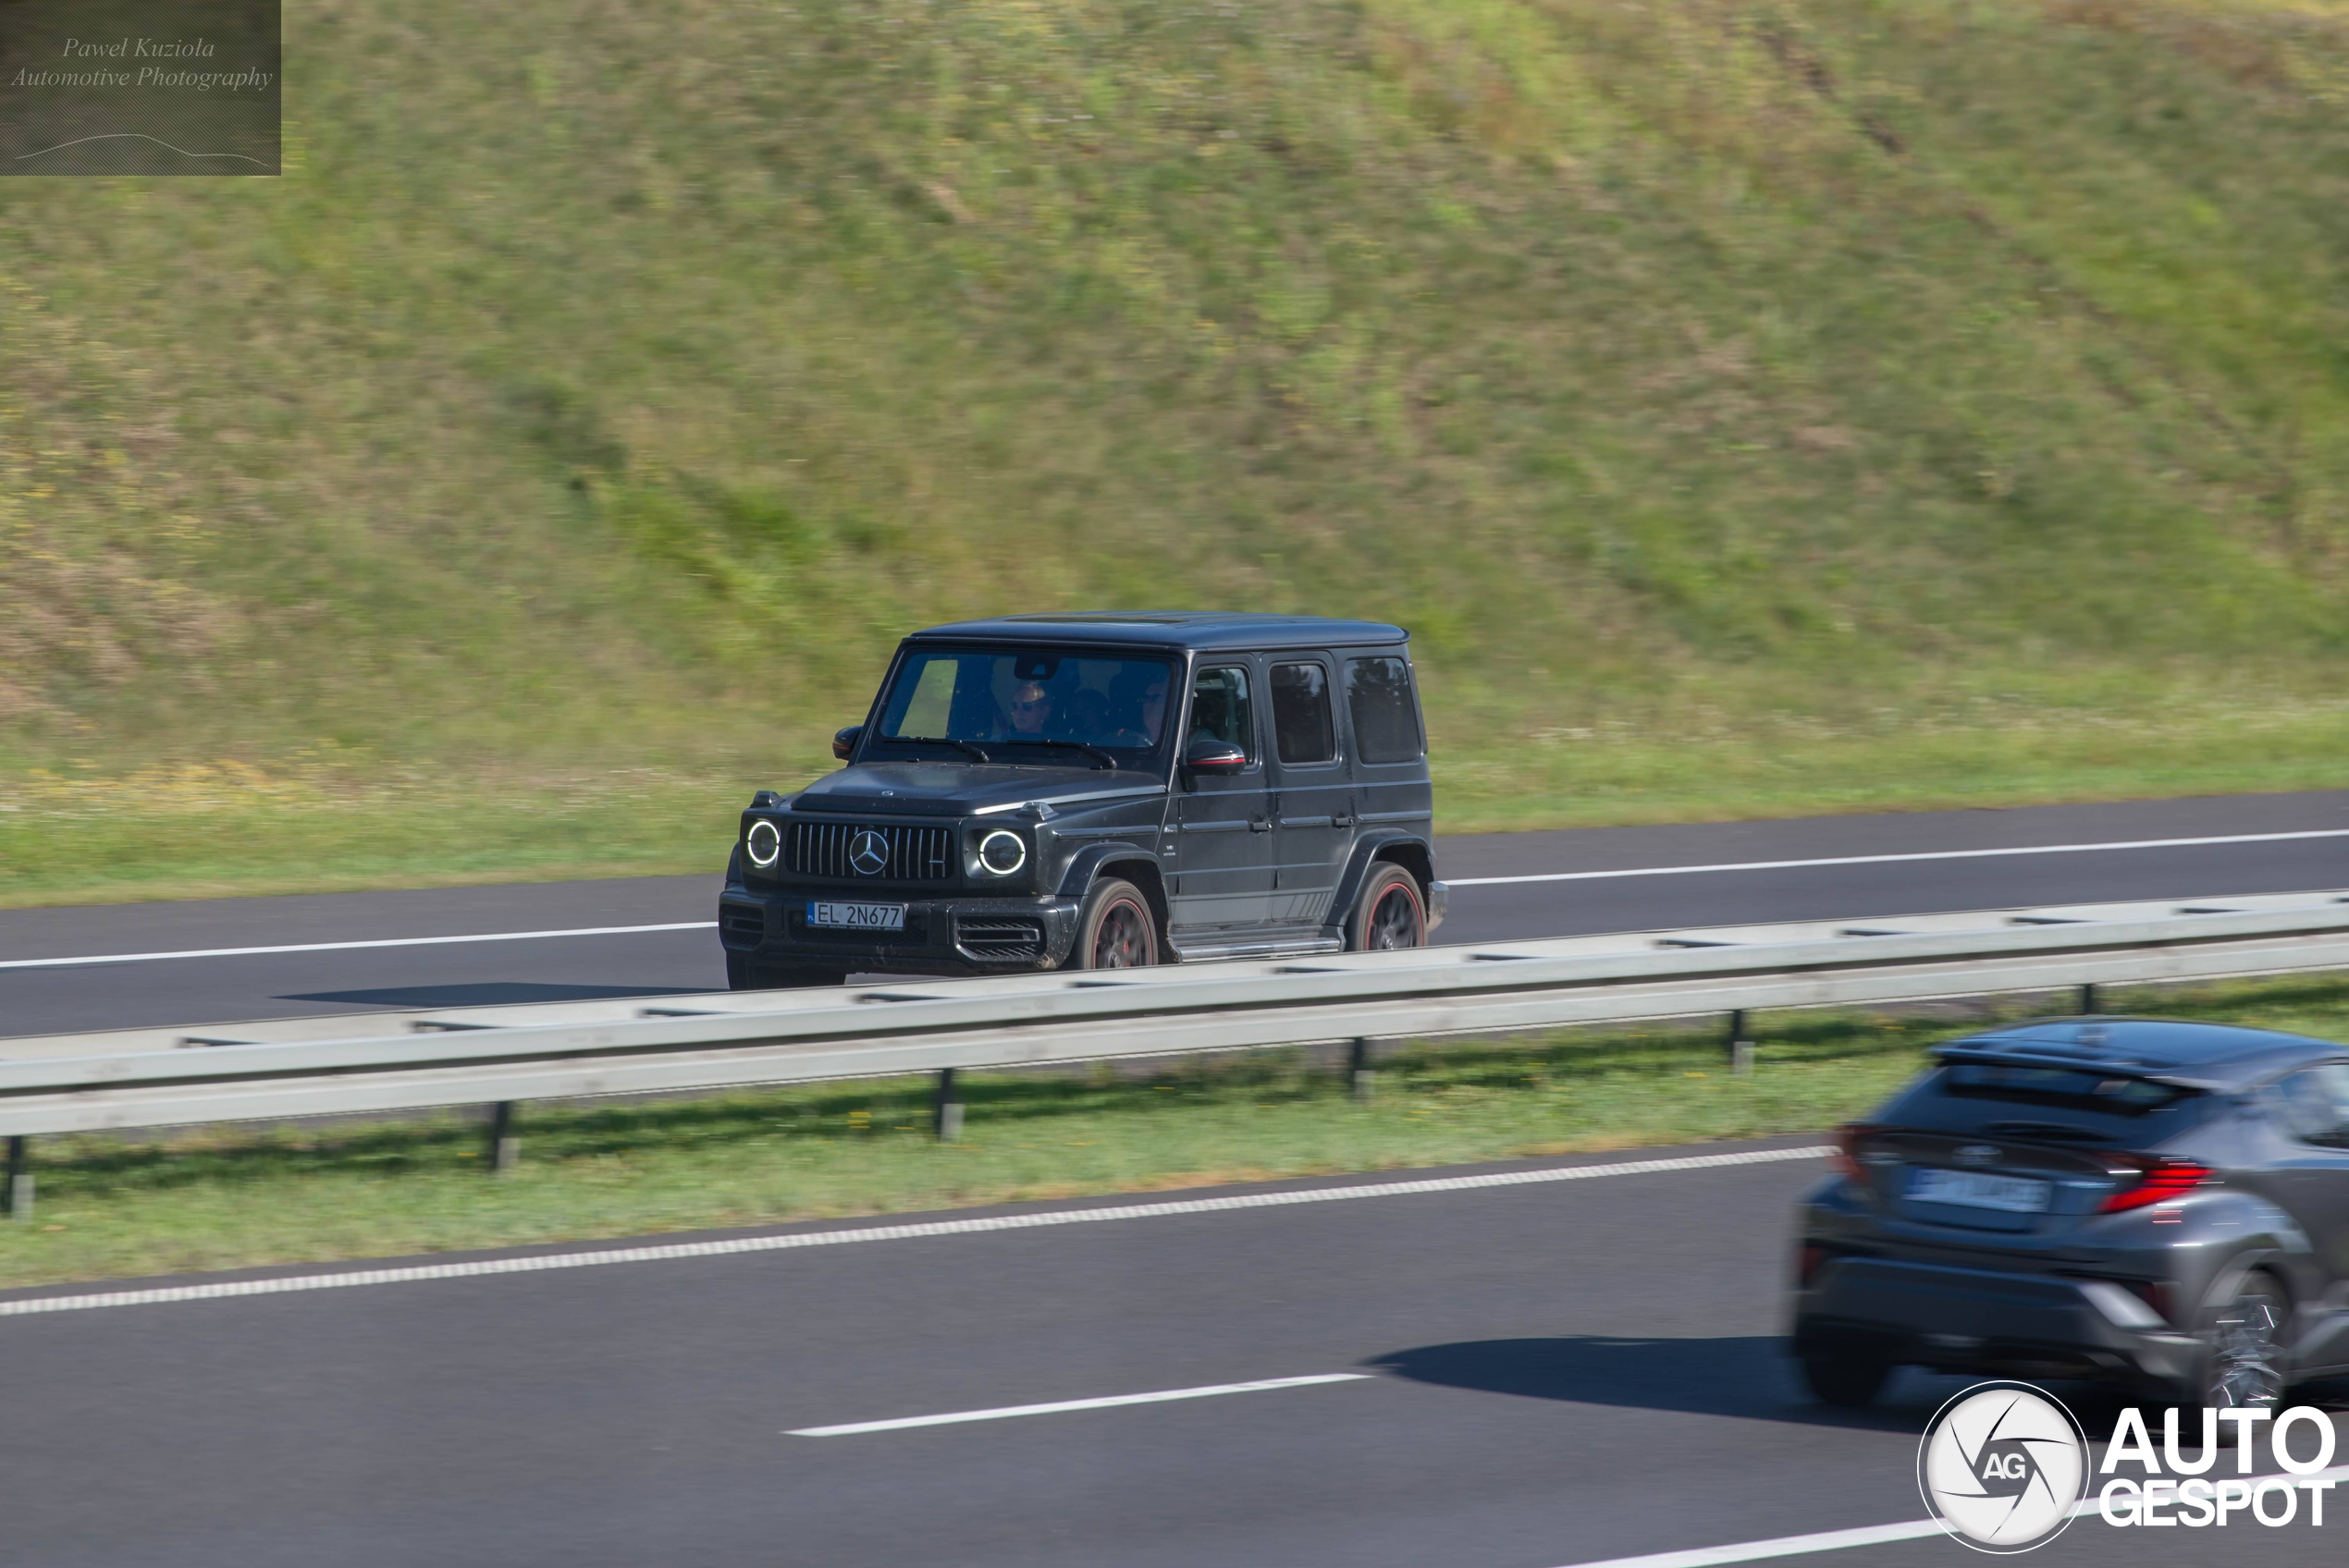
(944, 741)
(1094, 752)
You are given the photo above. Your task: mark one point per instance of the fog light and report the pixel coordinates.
(1003, 852)
(765, 842)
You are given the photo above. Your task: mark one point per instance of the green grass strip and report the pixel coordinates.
(112, 1206)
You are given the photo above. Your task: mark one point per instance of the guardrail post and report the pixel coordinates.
(1740, 1049)
(19, 1180)
(504, 1146)
(1361, 1080)
(946, 1115)
(2088, 999)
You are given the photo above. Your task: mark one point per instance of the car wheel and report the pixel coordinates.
(1390, 914)
(2243, 1348)
(1114, 929)
(1849, 1383)
(744, 973)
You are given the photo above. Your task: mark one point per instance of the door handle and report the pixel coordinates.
(1260, 825)
(1342, 821)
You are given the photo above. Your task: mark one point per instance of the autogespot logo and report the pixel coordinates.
(2003, 1467)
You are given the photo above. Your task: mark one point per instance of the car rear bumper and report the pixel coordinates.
(1984, 1320)
(942, 936)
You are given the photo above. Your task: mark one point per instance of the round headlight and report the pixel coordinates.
(765, 841)
(1003, 852)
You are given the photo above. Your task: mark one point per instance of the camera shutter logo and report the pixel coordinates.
(2003, 1467)
(869, 852)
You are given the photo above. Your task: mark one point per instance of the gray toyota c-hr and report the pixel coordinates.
(2161, 1204)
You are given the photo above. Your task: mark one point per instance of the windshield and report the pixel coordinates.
(1014, 699)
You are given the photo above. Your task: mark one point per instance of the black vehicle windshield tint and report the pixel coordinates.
(1006, 699)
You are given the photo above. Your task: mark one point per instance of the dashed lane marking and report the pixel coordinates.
(1055, 1407)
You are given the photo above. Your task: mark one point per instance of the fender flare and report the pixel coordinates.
(1408, 849)
(1135, 862)
(2274, 1254)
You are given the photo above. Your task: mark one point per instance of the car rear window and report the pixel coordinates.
(2099, 1107)
(2113, 1094)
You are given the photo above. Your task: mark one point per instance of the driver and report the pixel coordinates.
(1031, 709)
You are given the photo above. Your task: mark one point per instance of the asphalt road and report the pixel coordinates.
(1632, 879)
(1536, 1376)
(1562, 1373)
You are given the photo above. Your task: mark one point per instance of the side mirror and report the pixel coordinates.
(1214, 756)
(845, 740)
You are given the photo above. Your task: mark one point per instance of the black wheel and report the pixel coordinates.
(1391, 913)
(2241, 1331)
(744, 973)
(1849, 1383)
(1114, 929)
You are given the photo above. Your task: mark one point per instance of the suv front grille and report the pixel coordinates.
(993, 940)
(916, 854)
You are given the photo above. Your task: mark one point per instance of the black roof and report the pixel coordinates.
(2209, 1056)
(1171, 629)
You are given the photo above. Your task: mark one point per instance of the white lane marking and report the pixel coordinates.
(340, 947)
(1888, 860)
(1835, 1540)
(474, 1268)
(1055, 1407)
(1452, 882)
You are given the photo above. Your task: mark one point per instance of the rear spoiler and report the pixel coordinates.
(2236, 1072)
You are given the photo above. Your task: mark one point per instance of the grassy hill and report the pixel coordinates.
(1750, 408)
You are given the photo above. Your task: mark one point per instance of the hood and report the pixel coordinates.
(957, 788)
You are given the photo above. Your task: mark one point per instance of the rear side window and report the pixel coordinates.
(2313, 1106)
(1302, 729)
(1386, 722)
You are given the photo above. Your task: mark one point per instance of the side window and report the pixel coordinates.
(1386, 725)
(1220, 710)
(2313, 1105)
(1302, 729)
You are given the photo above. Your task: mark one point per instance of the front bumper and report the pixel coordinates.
(943, 935)
(1957, 1320)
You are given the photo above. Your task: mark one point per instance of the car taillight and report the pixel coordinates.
(2159, 1181)
(1845, 1160)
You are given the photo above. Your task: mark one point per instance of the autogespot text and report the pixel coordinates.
(2175, 1490)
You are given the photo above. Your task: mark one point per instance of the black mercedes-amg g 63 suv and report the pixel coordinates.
(1101, 792)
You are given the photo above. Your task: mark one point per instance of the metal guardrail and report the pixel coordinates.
(380, 1062)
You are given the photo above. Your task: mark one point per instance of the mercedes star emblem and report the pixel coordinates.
(869, 852)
